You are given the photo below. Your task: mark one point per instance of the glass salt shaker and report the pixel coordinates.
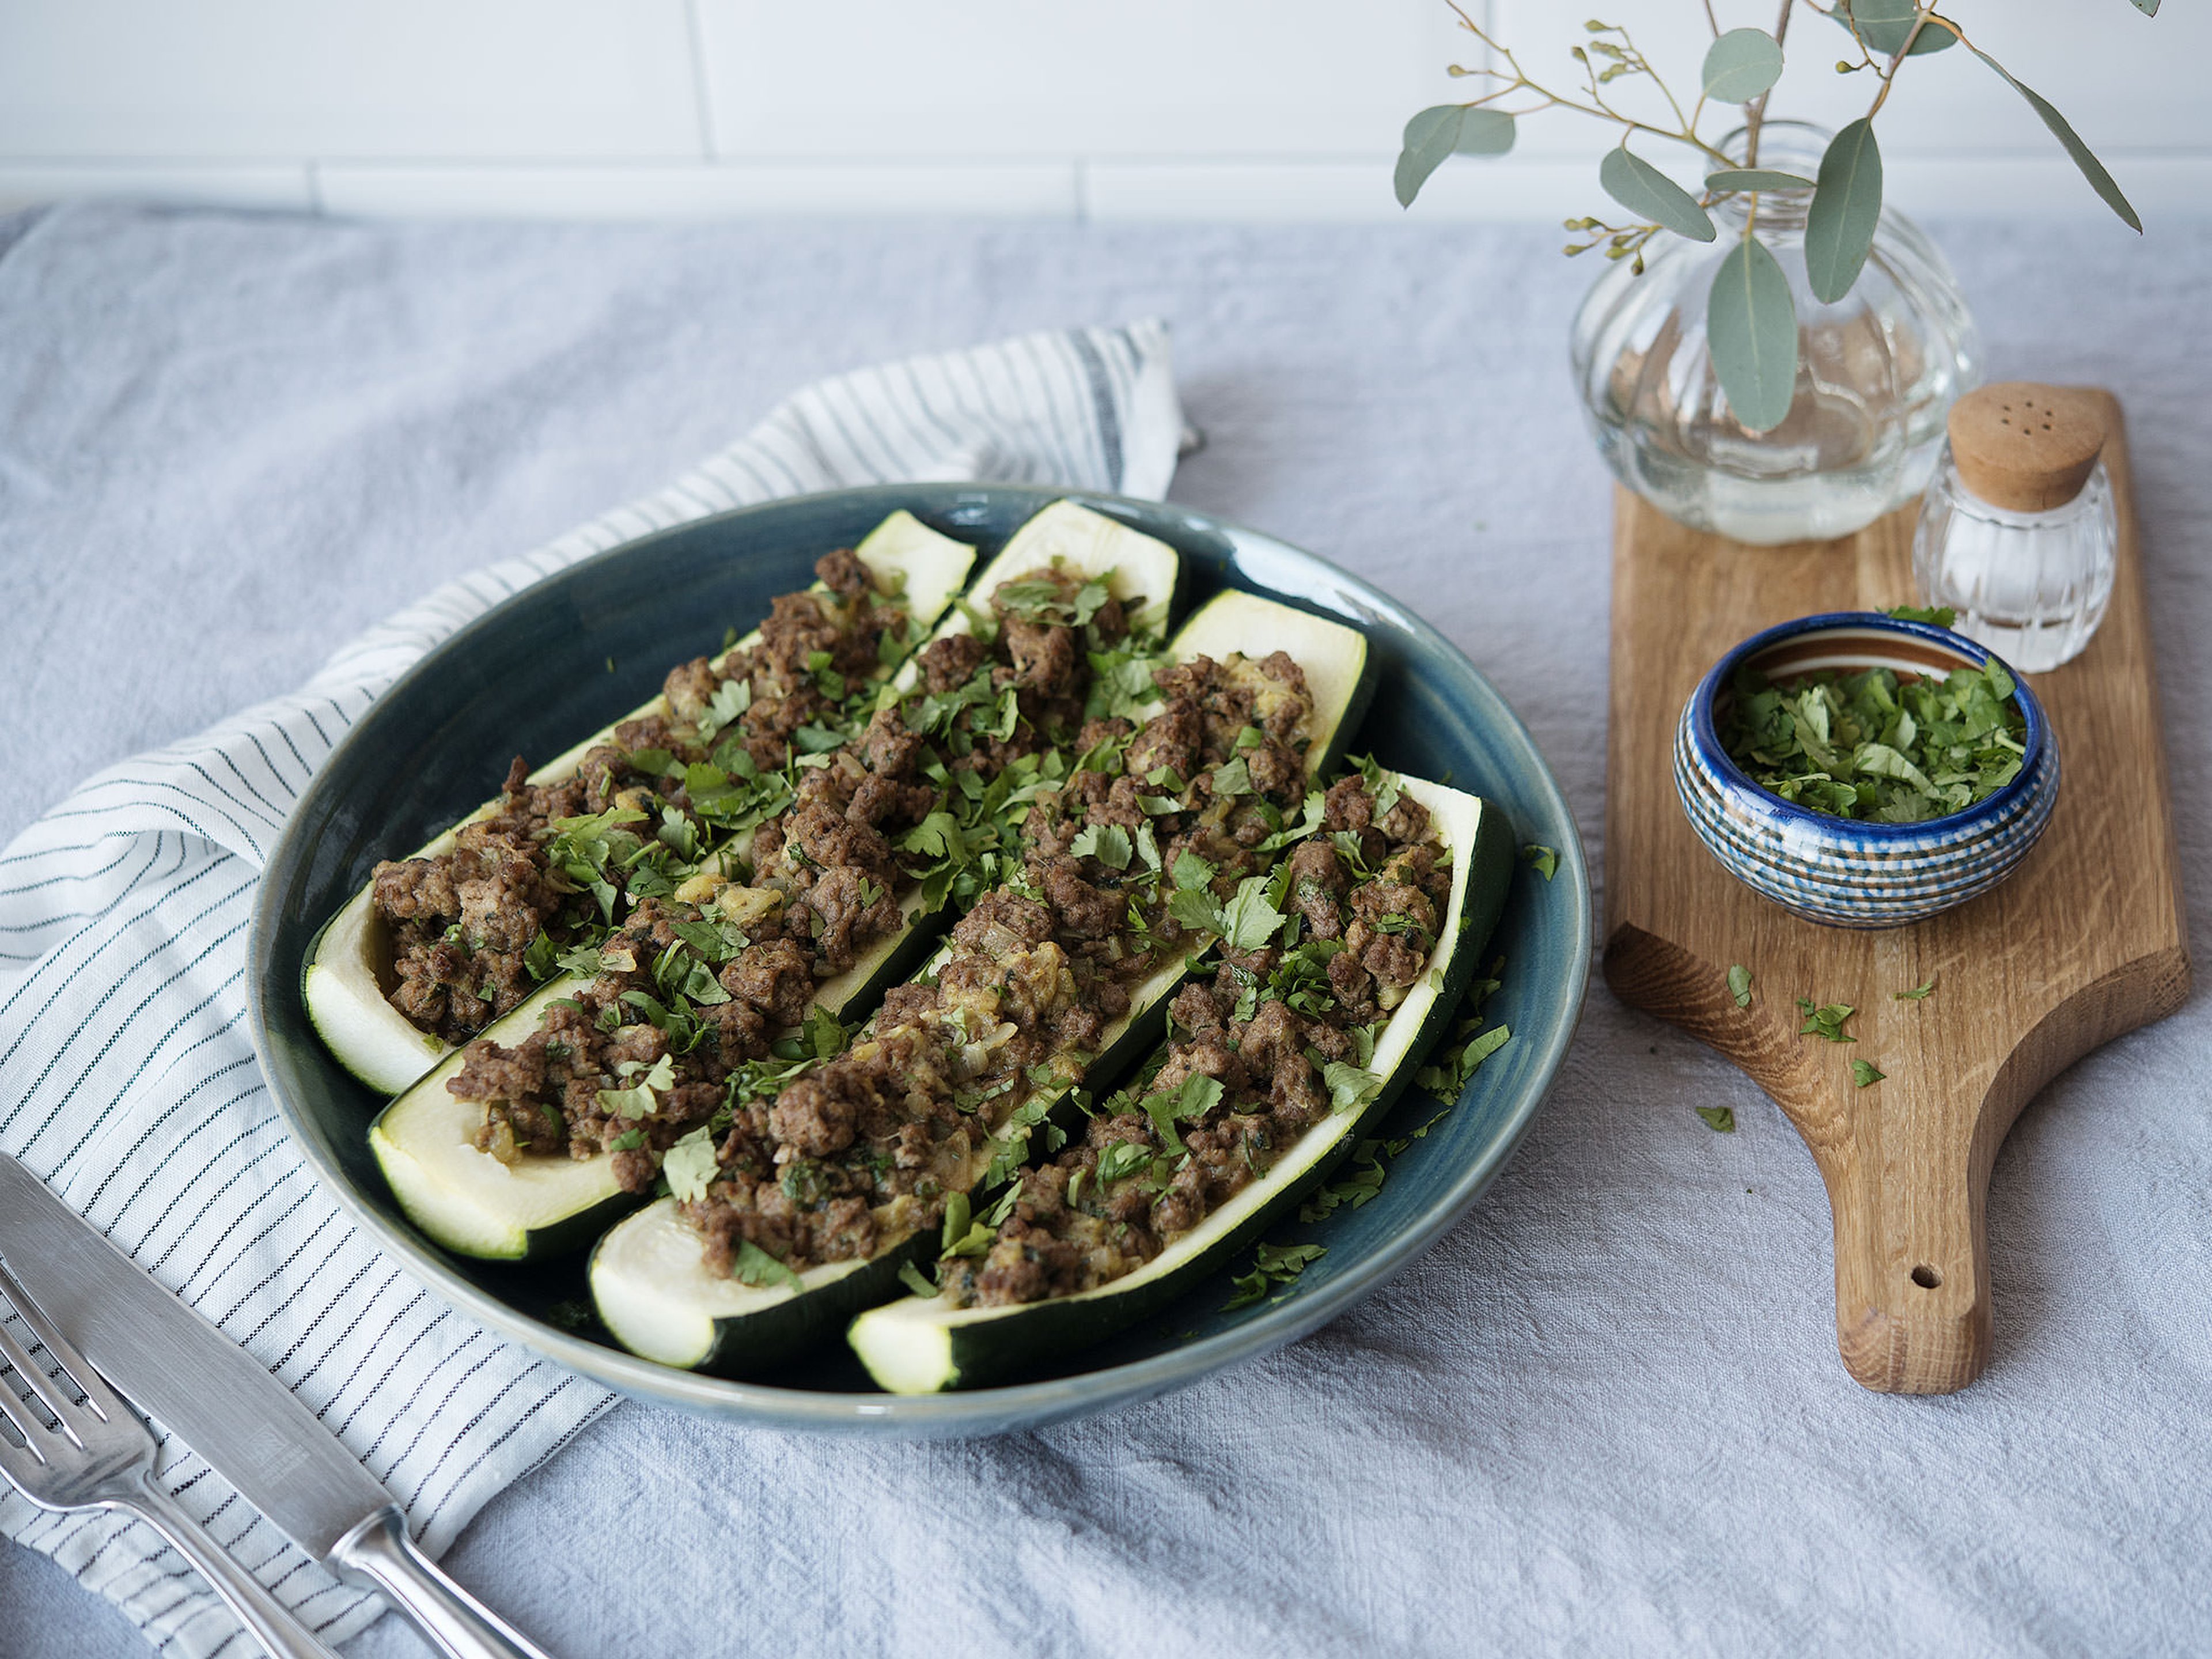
(2017, 531)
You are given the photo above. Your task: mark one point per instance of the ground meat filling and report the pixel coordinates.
(1248, 1069)
(872, 1146)
(461, 924)
(726, 964)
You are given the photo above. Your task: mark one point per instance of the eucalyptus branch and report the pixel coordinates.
(1519, 80)
(1752, 322)
(1754, 115)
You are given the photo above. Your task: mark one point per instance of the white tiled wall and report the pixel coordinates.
(1259, 109)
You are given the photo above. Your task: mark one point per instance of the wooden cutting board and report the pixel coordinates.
(2085, 941)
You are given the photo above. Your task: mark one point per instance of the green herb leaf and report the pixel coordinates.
(1863, 1072)
(1885, 25)
(1720, 1118)
(1543, 859)
(1442, 130)
(1651, 194)
(1741, 64)
(1350, 1087)
(1918, 993)
(1191, 874)
(1249, 920)
(1109, 843)
(1941, 615)
(1751, 325)
(2092, 168)
(1724, 180)
(1121, 1160)
(1826, 1021)
(1197, 1096)
(1738, 981)
(913, 1277)
(757, 1267)
(1839, 226)
(691, 1164)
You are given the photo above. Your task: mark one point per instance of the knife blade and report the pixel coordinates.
(218, 1399)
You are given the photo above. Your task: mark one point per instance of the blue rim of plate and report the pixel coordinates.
(1705, 738)
(985, 1411)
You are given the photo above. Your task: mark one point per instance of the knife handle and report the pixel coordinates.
(284, 1635)
(459, 1627)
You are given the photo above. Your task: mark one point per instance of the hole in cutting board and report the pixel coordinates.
(1926, 1277)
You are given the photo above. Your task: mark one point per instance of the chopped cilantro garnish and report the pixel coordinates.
(1277, 1264)
(1826, 1021)
(1739, 984)
(1918, 993)
(1109, 843)
(1542, 860)
(1864, 1071)
(915, 1281)
(1873, 746)
(1719, 1119)
(691, 1164)
(757, 1267)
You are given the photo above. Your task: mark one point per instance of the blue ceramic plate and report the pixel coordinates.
(564, 656)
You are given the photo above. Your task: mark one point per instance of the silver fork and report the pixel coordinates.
(97, 1454)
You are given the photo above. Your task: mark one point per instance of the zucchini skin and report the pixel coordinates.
(1028, 1337)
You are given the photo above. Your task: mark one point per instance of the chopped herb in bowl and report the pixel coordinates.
(1876, 746)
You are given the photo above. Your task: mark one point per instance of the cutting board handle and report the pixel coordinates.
(1913, 1256)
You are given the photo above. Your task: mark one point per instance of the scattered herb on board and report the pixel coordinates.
(1864, 1071)
(1740, 985)
(1870, 746)
(1719, 1119)
(1918, 993)
(1543, 859)
(1827, 1020)
(1272, 1264)
(1941, 615)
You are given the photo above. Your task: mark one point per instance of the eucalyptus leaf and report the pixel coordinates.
(1651, 194)
(2092, 168)
(1750, 327)
(1754, 179)
(1846, 206)
(1447, 129)
(1741, 64)
(1885, 25)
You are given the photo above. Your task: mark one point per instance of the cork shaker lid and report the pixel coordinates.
(2025, 448)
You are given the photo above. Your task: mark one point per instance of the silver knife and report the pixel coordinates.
(218, 1399)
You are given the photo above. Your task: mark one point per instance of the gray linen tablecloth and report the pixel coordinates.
(1605, 1415)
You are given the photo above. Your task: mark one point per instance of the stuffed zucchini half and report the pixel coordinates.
(1175, 1184)
(350, 977)
(1130, 872)
(529, 1142)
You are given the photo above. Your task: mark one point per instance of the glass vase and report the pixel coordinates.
(1877, 372)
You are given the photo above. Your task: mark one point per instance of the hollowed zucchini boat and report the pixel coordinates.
(923, 1344)
(476, 1204)
(652, 1287)
(350, 972)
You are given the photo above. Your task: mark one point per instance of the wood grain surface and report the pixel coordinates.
(2085, 941)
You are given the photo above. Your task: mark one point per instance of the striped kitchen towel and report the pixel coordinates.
(127, 1079)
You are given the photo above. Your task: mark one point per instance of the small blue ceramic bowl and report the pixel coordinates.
(1842, 872)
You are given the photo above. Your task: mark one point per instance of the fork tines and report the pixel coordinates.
(81, 1414)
